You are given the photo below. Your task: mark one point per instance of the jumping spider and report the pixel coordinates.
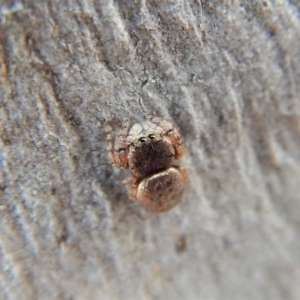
(148, 149)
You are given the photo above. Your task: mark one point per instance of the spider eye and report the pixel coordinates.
(151, 136)
(142, 140)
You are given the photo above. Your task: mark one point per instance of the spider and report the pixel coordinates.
(148, 149)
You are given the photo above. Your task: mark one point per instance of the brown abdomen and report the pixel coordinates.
(162, 191)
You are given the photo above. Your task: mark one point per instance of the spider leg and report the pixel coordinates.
(132, 190)
(183, 174)
(110, 145)
(121, 147)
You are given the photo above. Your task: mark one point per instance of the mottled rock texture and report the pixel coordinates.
(225, 73)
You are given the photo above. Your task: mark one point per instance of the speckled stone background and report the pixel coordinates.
(226, 73)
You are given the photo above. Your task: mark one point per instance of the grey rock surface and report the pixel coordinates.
(226, 73)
